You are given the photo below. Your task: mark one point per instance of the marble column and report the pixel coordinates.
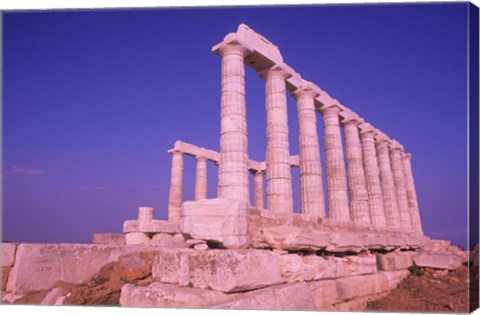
(400, 189)
(311, 185)
(411, 193)
(387, 182)
(201, 178)
(233, 174)
(278, 170)
(372, 175)
(335, 165)
(258, 186)
(359, 201)
(176, 187)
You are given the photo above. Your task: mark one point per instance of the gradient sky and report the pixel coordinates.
(94, 99)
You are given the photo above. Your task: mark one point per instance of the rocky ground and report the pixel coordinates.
(430, 290)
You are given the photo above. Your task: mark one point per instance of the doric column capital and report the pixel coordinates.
(406, 156)
(231, 46)
(175, 151)
(382, 138)
(395, 146)
(350, 118)
(282, 71)
(200, 158)
(328, 109)
(306, 90)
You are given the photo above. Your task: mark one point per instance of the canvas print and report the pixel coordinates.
(301, 158)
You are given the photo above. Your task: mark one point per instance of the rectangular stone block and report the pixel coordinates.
(8, 254)
(292, 238)
(108, 239)
(395, 261)
(308, 268)
(286, 297)
(39, 266)
(222, 221)
(169, 295)
(437, 260)
(328, 293)
(154, 226)
(220, 270)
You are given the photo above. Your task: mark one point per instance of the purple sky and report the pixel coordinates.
(94, 99)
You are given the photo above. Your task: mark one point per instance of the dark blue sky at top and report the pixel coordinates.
(92, 101)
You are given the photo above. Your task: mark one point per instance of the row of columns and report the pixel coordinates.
(380, 181)
(176, 184)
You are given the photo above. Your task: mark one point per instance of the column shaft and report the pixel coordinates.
(401, 191)
(388, 185)
(201, 178)
(311, 186)
(411, 193)
(359, 202)
(372, 175)
(233, 169)
(278, 172)
(176, 188)
(335, 166)
(259, 197)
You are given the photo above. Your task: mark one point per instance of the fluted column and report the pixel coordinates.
(233, 169)
(372, 175)
(201, 178)
(176, 187)
(359, 206)
(335, 165)
(278, 172)
(311, 186)
(400, 189)
(387, 182)
(411, 193)
(258, 186)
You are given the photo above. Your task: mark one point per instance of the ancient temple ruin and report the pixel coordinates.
(350, 246)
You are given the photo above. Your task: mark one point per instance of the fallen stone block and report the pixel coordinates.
(291, 238)
(346, 242)
(108, 239)
(287, 297)
(137, 238)
(308, 268)
(7, 254)
(167, 295)
(168, 241)
(219, 270)
(437, 246)
(39, 266)
(437, 260)
(222, 221)
(328, 293)
(154, 226)
(395, 261)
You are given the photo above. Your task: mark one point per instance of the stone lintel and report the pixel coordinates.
(154, 226)
(381, 137)
(294, 82)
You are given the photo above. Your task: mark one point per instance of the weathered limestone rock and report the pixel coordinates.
(285, 297)
(5, 274)
(56, 296)
(220, 270)
(40, 266)
(137, 238)
(154, 226)
(287, 237)
(108, 238)
(395, 261)
(437, 260)
(437, 246)
(168, 241)
(167, 295)
(8, 254)
(308, 268)
(328, 293)
(221, 221)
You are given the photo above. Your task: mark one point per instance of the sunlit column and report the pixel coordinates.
(411, 193)
(176, 187)
(258, 186)
(201, 178)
